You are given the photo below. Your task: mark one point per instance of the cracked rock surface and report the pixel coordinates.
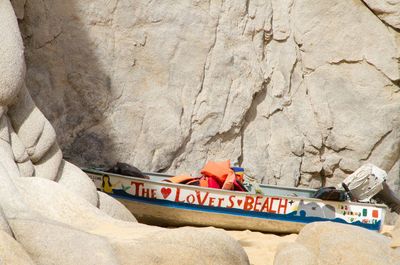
(51, 212)
(298, 92)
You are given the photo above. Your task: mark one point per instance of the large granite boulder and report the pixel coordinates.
(74, 179)
(259, 82)
(95, 235)
(114, 208)
(4, 227)
(48, 207)
(333, 244)
(298, 92)
(387, 10)
(12, 63)
(11, 252)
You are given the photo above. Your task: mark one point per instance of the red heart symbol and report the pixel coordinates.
(239, 202)
(165, 192)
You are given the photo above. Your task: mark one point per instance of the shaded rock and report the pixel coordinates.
(43, 144)
(75, 180)
(114, 208)
(4, 130)
(53, 224)
(29, 124)
(49, 165)
(6, 157)
(260, 83)
(391, 218)
(26, 169)
(395, 233)
(36, 134)
(4, 227)
(11, 252)
(21, 157)
(12, 63)
(19, 6)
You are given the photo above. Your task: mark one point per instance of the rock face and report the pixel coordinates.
(48, 206)
(11, 252)
(114, 208)
(387, 10)
(297, 92)
(333, 243)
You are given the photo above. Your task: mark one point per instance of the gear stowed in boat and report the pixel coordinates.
(154, 199)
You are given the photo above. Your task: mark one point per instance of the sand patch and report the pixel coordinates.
(260, 247)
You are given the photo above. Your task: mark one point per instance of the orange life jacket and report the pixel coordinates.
(217, 170)
(215, 175)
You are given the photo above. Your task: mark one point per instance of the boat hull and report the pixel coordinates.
(167, 204)
(154, 214)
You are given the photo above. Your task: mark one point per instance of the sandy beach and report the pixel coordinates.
(260, 247)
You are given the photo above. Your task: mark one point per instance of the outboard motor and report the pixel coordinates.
(369, 181)
(365, 182)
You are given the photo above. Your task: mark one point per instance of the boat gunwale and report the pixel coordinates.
(212, 190)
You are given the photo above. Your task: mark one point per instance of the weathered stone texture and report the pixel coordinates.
(387, 10)
(114, 208)
(48, 207)
(333, 244)
(297, 92)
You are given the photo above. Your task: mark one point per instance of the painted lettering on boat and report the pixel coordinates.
(231, 202)
(297, 207)
(141, 191)
(255, 203)
(265, 204)
(201, 198)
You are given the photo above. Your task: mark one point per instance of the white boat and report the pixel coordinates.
(279, 210)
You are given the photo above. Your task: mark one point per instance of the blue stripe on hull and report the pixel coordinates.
(291, 217)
